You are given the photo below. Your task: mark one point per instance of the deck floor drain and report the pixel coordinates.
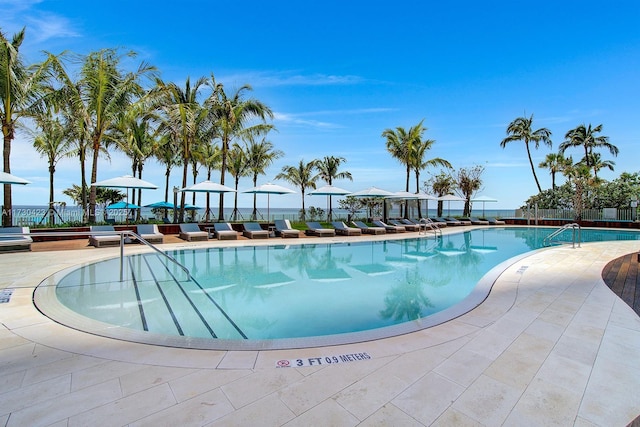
(5, 295)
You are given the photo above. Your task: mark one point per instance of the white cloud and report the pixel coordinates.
(47, 26)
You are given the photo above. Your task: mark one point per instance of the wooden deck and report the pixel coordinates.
(621, 275)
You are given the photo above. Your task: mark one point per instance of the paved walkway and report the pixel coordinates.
(551, 345)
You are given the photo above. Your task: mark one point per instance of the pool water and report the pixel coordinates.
(296, 291)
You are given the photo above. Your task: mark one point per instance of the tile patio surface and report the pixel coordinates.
(551, 345)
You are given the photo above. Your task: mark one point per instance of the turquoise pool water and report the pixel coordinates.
(297, 291)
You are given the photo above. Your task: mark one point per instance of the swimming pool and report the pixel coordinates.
(283, 296)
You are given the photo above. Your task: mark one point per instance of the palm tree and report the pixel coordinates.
(328, 171)
(556, 163)
(210, 157)
(107, 91)
(20, 89)
(134, 136)
(400, 144)
(300, 176)
(418, 163)
(585, 136)
(520, 130)
(185, 120)
(579, 176)
(232, 116)
(238, 167)
(596, 162)
(260, 155)
(167, 154)
(52, 142)
(441, 184)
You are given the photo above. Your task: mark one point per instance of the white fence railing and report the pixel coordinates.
(606, 214)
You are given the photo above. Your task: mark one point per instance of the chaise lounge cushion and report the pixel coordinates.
(19, 242)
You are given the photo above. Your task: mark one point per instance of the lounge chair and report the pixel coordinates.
(19, 242)
(342, 229)
(100, 240)
(150, 233)
(461, 221)
(449, 222)
(192, 233)
(224, 231)
(408, 227)
(430, 221)
(253, 230)
(478, 221)
(389, 228)
(284, 230)
(368, 230)
(494, 221)
(315, 229)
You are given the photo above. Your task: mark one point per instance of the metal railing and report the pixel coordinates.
(426, 224)
(122, 235)
(576, 234)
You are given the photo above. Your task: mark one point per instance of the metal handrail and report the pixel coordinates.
(426, 223)
(122, 234)
(574, 226)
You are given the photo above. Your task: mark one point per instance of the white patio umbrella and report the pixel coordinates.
(208, 187)
(269, 189)
(483, 199)
(6, 178)
(450, 198)
(329, 190)
(374, 192)
(126, 182)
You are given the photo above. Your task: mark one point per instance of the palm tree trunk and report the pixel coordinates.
(52, 218)
(418, 192)
(533, 169)
(94, 177)
(182, 197)
(7, 217)
(254, 214)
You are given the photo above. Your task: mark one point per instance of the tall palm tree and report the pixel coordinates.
(184, 119)
(233, 114)
(520, 130)
(167, 154)
(301, 176)
(238, 167)
(400, 142)
(419, 149)
(210, 158)
(585, 136)
(134, 136)
(21, 87)
(107, 91)
(260, 155)
(53, 143)
(328, 171)
(556, 163)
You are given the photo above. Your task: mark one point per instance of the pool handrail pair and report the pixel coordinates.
(122, 234)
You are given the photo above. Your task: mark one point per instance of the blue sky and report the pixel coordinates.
(337, 74)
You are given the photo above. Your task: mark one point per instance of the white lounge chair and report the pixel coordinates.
(315, 229)
(192, 233)
(284, 230)
(150, 233)
(19, 242)
(224, 231)
(369, 230)
(253, 230)
(342, 229)
(103, 239)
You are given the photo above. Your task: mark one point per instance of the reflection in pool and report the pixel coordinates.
(297, 291)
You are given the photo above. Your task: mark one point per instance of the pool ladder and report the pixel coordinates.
(427, 225)
(576, 235)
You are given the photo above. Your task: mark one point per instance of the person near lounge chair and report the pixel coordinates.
(224, 231)
(284, 229)
(368, 230)
(342, 229)
(389, 228)
(253, 230)
(315, 229)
